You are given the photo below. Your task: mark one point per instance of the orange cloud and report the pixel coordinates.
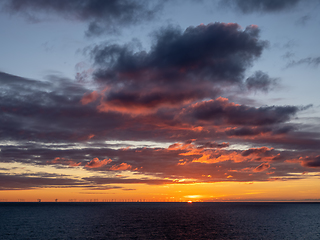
(262, 167)
(91, 136)
(310, 161)
(122, 166)
(132, 110)
(136, 108)
(96, 163)
(212, 153)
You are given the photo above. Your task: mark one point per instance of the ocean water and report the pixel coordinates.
(159, 221)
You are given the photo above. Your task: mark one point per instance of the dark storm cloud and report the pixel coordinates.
(48, 111)
(309, 61)
(16, 182)
(247, 131)
(261, 81)
(23, 182)
(28, 105)
(283, 129)
(181, 66)
(102, 15)
(254, 131)
(296, 141)
(313, 162)
(213, 52)
(250, 6)
(221, 111)
(152, 99)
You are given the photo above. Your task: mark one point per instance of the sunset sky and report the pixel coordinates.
(129, 100)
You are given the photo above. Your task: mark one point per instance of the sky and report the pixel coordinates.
(136, 100)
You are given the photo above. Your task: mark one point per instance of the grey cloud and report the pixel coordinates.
(103, 16)
(16, 182)
(261, 151)
(303, 20)
(250, 6)
(315, 61)
(249, 131)
(261, 81)
(48, 110)
(221, 112)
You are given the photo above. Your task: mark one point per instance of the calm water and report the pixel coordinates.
(160, 221)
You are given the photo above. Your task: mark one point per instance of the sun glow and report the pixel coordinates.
(193, 196)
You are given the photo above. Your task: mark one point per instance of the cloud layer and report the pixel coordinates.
(173, 95)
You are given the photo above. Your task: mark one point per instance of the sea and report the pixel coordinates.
(176, 220)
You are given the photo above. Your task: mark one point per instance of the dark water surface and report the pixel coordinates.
(159, 221)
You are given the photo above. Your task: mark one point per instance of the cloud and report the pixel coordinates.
(202, 145)
(48, 110)
(262, 167)
(126, 101)
(121, 167)
(220, 112)
(262, 150)
(250, 6)
(64, 161)
(261, 81)
(58, 129)
(264, 130)
(303, 20)
(313, 162)
(96, 163)
(90, 97)
(309, 61)
(214, 52)
(180, 68)
(103, 16)
(59, 116)
(18, 182)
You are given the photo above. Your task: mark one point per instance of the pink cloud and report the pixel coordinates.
(88, 98)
